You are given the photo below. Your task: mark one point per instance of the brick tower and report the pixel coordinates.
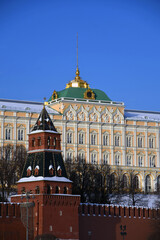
(44, 178)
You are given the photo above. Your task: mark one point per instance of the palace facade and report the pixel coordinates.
(94, 129)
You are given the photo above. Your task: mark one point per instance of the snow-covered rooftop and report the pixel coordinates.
(142, 115)
(40, 178)
(24, 106)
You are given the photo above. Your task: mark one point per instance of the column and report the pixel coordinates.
(100, 143)
(88, 136)
(135, 144)
(157, 145)
(112, 145)
(76, 139)
(146, 145)
(123, 145)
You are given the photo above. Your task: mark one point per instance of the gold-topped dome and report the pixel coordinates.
(77, 82)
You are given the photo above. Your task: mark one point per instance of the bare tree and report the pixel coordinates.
(10, 167)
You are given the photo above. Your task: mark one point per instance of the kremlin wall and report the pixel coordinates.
(44, 203)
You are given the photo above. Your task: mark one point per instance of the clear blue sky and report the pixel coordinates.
(119, 48)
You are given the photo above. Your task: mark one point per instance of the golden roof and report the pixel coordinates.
(77, 82)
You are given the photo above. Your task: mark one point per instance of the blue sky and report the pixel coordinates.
(119, 48)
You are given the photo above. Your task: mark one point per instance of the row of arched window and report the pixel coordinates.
(49, 190)
(51, 141)
(117, 158)
(106, 139)
(135, 182)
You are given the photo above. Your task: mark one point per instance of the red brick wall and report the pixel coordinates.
(55, 214)
(31, 186)
(11, 226)
(103, 222)
(44, 143)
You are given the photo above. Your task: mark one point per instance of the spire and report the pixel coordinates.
(77, 82)
(44, 122)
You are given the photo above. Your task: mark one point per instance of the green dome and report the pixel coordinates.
(76, 92)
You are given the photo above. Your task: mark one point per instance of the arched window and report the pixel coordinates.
(93, 139)
(125, 181)
(105, 158)
(81, 157)
(158, 184)
(37, 191)
(140, 142)
(69, 137)
(48, 189)
(54, 142)
(69, 156)
(151, 142)
(81, 138)
(20, 134)
(148, 184)
(39, 141)
(65, 190)
(49, 141)
(129, 141)
(129, 160)
(152, 161)
(140, 160)
(117, 140)
(136, 182)
(105, 140)
(117, 159)
(8, 133)
(33, 142)
(112, 182)
(57, 189)
(93, 158)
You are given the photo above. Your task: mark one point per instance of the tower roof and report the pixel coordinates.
(44, 122)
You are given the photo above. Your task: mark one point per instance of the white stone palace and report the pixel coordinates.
(94, 129)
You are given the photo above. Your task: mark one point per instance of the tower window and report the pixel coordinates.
(39, 141)
(49, 141)
(33, 142)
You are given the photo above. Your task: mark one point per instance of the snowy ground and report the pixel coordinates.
(142, 200)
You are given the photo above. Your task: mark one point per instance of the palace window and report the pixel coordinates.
(151, 142)
(81, 138)
(105, 140)
(152, 161)
(81, 157)
(69, 137)
(105, 158)
(93, 158)
(140, 142)
(136, 182)
(8, 153)
(125, 181)
(93, 139)
(148, 184)
(8, 133)
(117, 140)
(69, 156)
(129, 141)
(158, 184)
(117, 159)
(129, 160)
(140, 161)
(112, 182)
(20, 134)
